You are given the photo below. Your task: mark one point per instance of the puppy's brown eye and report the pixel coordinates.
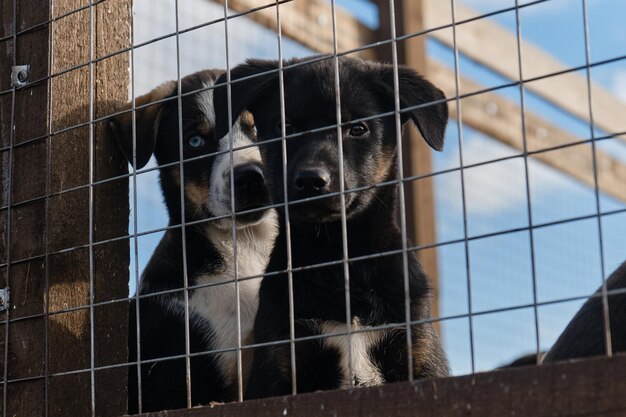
(358, 129)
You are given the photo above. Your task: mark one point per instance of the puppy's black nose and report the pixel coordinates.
(311, 181)
(250, 188)
(248, 178)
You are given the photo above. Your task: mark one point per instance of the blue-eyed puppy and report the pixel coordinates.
(210, 257)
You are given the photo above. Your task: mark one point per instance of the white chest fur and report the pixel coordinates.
(217, 304)
(364, 370)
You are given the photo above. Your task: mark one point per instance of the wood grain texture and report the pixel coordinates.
(501, 119)
(310, 23)
(592, 387)
(26, 108)
(491, 45)
(417, 155)
(55, 163)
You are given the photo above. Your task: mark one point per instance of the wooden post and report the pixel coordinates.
(419, 197)
(48, 253)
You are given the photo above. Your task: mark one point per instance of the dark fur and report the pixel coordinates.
(526, 360)
(584, 335)
(161, 322)
(376, 285)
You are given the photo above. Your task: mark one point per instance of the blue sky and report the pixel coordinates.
(567, 256)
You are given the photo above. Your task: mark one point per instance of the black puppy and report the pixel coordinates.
(209, 246)
(377, 293)
(584, 335)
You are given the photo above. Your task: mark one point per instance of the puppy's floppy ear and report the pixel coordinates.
(414, 90)
(147, 121)
(244, 94)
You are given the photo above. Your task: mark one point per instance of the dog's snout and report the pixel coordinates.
(248, 178)
(250, 188)
(311, 181)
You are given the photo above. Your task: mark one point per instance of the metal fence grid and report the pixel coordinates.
(12, 145)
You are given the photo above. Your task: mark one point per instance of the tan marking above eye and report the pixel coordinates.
(247, 119)
(247, 124)
(205, 129)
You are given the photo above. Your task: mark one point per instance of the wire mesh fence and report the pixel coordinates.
(278, 208)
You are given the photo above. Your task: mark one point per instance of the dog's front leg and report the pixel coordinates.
(270, 374)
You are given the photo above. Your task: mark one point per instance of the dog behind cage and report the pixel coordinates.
(508, 265)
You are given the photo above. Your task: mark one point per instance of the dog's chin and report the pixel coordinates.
(315, 213)
(254, 217)
(251, 218)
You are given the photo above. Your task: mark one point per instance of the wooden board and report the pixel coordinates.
(43, 345)
(567, 91)
(500, 118)
(593, 387)
(310, 23)
(417, 155)
(23, 341)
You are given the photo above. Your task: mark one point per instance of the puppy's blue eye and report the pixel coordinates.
(196, 141)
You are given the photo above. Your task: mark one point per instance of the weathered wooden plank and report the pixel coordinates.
(61, 222)
(593, 387)
(310, 23)
(112, 82)
(71, 288)
(26, 108)
(567, 91)
(500, 118)
(417, 156)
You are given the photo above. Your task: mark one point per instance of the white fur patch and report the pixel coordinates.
(204, 101)
(218, 303)
(220, 192)
(364, 371)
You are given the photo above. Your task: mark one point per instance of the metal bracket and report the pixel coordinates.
(19, 75)
(4, 299)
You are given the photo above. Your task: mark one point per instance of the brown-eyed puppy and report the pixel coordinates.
(377, 290)
(210, 257)
(584, 336)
